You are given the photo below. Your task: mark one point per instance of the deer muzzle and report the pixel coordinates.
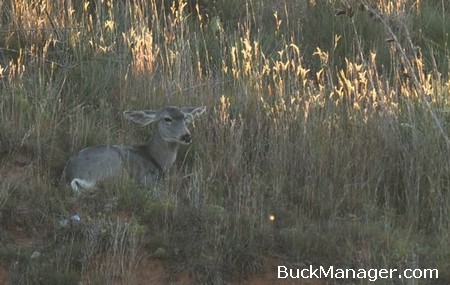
(187, 138)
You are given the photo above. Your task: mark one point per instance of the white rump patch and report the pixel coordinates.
(77, 184)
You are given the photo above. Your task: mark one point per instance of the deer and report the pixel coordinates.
(146, 163)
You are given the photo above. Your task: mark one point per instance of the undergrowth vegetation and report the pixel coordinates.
(325, 140)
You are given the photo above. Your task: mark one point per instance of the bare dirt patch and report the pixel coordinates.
(13, 170)
(153, 272)
(4, 275)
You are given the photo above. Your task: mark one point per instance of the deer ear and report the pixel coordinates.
(143, 117)
(193, 111)
(199, 110)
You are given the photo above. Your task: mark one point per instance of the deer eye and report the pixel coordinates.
(168, 120)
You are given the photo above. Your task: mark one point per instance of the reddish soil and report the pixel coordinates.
(12, 173)
(4, 275)
(149, 271)
(152, 272)
(19, 236)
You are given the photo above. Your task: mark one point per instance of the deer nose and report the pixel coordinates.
(187, 138)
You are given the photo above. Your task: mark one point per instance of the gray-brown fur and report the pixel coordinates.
(146, 163)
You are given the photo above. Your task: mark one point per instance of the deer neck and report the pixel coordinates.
(162, 152)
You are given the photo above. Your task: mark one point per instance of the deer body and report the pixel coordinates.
(146, 163)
